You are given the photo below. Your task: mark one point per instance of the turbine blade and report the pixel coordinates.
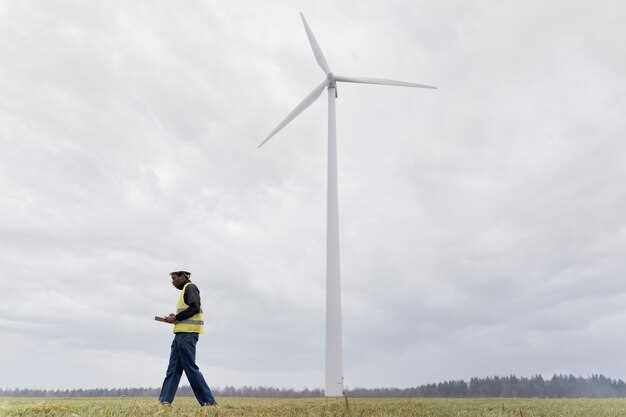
(319, 56)
(380, 81)
(308, 100)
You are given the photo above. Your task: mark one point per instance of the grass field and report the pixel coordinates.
(319, 407)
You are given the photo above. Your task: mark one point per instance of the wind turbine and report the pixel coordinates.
(334, 360)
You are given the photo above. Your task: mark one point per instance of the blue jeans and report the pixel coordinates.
(183, 358)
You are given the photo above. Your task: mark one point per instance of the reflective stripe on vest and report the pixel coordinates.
(191, 321)
(193, 324)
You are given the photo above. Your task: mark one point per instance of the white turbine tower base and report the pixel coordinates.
(334, 358)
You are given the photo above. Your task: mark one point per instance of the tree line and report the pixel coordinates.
(559, 386)
(185, 390)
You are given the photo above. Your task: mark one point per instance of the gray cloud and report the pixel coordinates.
(481, 224)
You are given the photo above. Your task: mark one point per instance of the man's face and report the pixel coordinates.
(178, 281)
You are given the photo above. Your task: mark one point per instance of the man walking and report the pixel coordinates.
(188, 323)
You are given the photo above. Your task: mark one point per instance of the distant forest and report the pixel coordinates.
(559, 386)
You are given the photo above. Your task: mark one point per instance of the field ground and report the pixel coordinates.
(316, 407)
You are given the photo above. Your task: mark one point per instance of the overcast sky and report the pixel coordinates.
(482, 224)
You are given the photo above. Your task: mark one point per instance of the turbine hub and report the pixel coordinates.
(331, 80)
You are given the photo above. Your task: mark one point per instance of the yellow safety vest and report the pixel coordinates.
(194, 323)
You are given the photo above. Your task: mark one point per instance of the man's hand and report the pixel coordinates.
(171, 318)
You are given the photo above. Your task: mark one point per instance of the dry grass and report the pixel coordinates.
(319, 407)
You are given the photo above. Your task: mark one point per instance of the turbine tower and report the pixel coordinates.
(334, 360)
